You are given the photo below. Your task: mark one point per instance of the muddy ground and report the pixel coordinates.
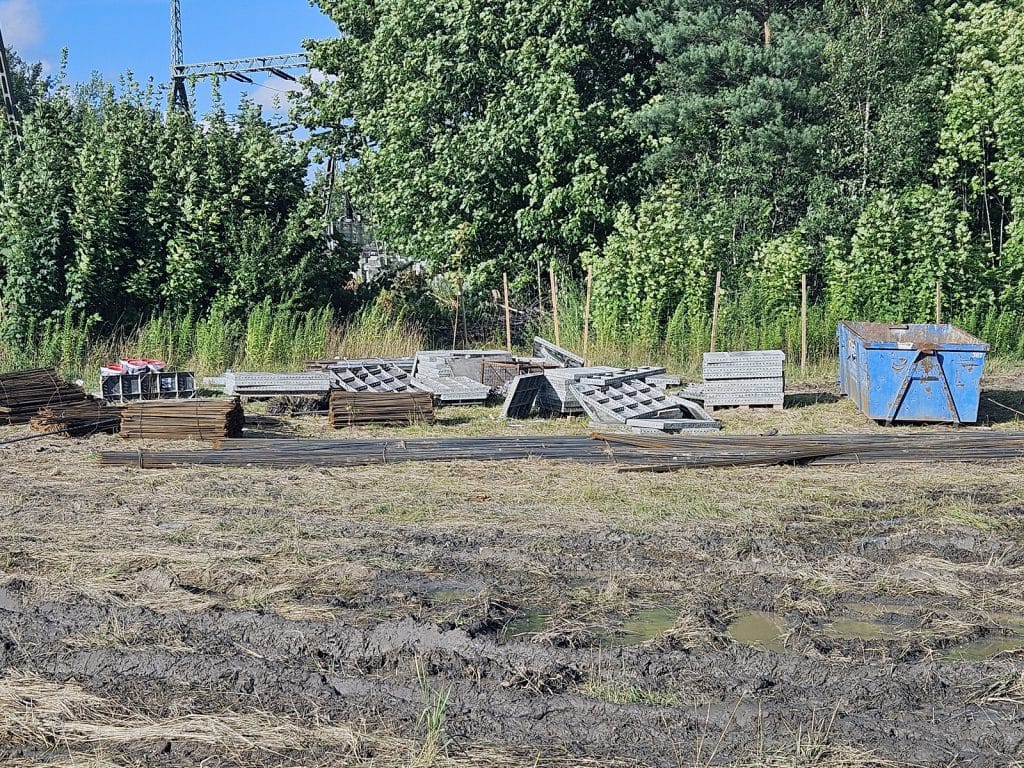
(527, 613)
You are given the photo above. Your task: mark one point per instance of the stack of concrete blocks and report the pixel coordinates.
(744, 379)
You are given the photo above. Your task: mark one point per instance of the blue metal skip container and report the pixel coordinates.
(911, 372)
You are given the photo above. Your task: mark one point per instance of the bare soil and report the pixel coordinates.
(526, 613)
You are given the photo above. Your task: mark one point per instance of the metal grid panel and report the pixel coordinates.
(372, 379)
(452, 389)
(522, 393)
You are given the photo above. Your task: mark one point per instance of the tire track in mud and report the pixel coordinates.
(517, 694)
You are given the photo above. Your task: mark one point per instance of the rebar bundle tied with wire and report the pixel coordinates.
(350, 409)
(77, 420)
(182, 419)
(24, 393)
(629, 452)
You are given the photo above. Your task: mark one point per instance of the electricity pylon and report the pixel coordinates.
(235, 69)
(7, 92)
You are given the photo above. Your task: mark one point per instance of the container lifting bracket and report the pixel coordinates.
(923, 353)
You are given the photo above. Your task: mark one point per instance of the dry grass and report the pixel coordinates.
(294, 541)
(42, 714)
(80, 729)
(1007, 689)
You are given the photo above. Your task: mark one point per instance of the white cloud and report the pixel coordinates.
(21, 24)
(276, 93)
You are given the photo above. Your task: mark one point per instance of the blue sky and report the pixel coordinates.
(114, 36)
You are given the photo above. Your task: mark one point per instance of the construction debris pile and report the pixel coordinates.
(609, 396)
(24, 393)
(351, 409)
(628, 452)
(554, 382)
(744, 379)
(208, 419)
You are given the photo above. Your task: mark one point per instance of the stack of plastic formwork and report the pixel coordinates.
(260, 384)
(339, 363)
(455, 376)
(130, 380)
(372, 378)
(556, 397)
(744, 379)
(625, 398)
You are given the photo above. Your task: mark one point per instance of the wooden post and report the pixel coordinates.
(540, 289)
(714, 311)
(455, 320)
(508, 314)
(803, 325)
(938, 302)
(554, 304)
(586, 315)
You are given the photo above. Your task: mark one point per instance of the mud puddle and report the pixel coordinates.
(760, 629)
(984, 649)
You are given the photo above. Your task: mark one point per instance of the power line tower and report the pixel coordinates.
(7, 92)
(236, 69)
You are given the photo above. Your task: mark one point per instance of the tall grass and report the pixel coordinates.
(277, 339)
(743, 324)
(269, 339)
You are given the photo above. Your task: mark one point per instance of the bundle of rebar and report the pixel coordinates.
(78, 420)
(672, 453)
(182, 419)
(350, 409)
(631, 452)
(24, 393)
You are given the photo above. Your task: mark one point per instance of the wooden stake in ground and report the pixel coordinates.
(803, 325)
(508, 314)
(554, 304)
(714, 310)
(938, 302)
(455, 320)
(586, 315)
(540, 289)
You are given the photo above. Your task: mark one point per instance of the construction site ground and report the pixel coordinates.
(522, 613)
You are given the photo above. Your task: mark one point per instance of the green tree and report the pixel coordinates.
(37, 201)
(736, 113)
(495, 128)
(661, 257)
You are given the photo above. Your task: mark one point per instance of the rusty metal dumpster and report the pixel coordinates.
(911, 372)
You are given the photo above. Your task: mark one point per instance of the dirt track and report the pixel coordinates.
(546, 614)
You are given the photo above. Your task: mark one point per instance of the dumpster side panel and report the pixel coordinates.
(964, 369)
(844, 360)
(922, 399)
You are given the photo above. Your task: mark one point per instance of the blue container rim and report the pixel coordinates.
(909, 336)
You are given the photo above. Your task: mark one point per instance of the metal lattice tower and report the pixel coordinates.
(236, 69)
(7, 92)
(179, 94)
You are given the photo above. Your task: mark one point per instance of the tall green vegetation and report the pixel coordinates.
(488, 134)
(875, 145)
(112, 212)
